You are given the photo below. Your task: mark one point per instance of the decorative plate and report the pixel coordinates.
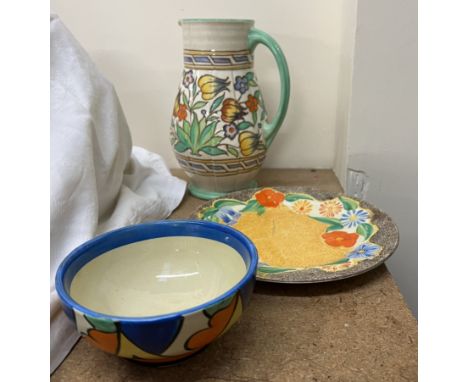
(307, 236)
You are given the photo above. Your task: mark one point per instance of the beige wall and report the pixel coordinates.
(380, 146)
(138, 46)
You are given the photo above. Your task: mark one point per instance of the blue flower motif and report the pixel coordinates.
(353, 218)
(364, 251)
(228, 215)
(241, 84)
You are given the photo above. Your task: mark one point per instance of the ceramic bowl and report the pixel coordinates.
(164, 338)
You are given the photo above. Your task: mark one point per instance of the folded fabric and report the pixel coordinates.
(98, 180)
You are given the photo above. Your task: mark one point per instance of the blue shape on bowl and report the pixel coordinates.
(163, 333)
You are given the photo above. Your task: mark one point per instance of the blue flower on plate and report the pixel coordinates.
(353, 218)
(241, 84)
(228, 215)
(364, 251)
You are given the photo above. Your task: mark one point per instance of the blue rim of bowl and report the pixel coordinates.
(80, 250)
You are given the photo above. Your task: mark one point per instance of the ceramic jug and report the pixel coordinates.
(220, 131)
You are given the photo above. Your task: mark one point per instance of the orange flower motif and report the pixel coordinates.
(340, 238)
(182, 112)
(252, 103)
(302, 207)
(269, 198)
(330, 208)
(108, 342)
(218, 323)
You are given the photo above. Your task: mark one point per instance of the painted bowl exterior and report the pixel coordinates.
(165, 338)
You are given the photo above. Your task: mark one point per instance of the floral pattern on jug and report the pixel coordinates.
(220, 131)
(208, 122)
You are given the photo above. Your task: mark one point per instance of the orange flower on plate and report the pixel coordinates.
(330, 208)
(269, 198)
(302, 207)
(340, 238)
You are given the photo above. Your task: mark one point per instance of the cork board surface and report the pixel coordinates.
(358, 329)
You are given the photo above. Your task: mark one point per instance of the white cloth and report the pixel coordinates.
(98, 182)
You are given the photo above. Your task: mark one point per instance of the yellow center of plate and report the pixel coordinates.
(288, 240)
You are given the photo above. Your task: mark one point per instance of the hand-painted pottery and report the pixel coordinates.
(219, 128)
(168, 337)
(306, 236)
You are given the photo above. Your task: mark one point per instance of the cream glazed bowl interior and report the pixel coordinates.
(158, 292)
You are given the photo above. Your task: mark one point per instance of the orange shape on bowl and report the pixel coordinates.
(108, 342)
(217, 324)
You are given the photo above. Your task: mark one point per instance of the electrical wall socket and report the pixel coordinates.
(357, 183)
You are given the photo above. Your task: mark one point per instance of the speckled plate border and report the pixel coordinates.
(387, 237)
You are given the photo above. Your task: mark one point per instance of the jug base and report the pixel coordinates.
(207, 195)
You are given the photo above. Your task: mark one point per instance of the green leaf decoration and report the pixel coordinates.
(252, 205)
(102, 324)
(184, 99)
(214, 141)
(216, 103)
(336, 227)
(181, 147)
(244, 125)
(249, 76)
(348, 204)
(261, 210)
(252, 83)
(186, 127)
(292, 197)
(331, 221)
(254, 117)
(227, 202)
(212, 150)
(199, 105)
(202, 124)
(194, 87)
(365, 230)
(263, 115)
(274, 269)
(207, 133)
(213, 218)
(257, 95)
(341, 261)
(233, 151)
(207, 212)
(183, 137)
(195, 132)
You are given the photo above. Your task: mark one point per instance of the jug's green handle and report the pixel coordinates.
(256, 37)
